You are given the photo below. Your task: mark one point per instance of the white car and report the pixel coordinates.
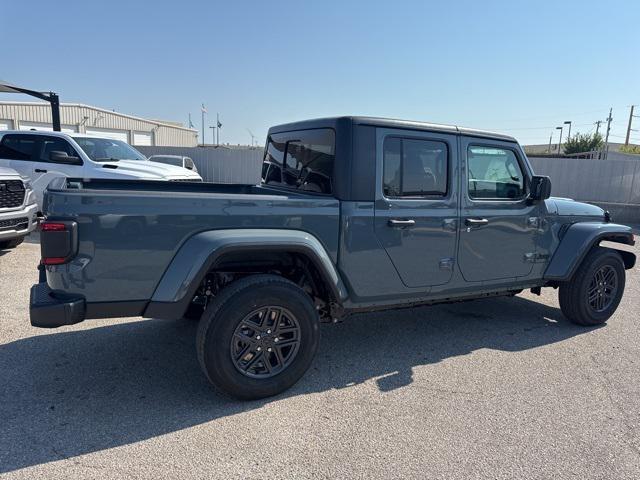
(179, 160)
(17, 208)
(43, 156)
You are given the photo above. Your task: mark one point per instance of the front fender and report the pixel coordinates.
(578, 240)
(199, 253)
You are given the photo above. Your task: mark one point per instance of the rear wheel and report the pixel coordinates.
(258, 337)
(595, 291)
(13, 243)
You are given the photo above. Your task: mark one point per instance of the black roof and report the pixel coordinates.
(331, 122)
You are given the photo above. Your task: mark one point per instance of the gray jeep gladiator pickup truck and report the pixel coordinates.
(352, 214)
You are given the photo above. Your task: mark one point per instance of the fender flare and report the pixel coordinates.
(578, 239)
(199, 254)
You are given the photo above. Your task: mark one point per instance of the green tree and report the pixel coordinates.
(583, 142)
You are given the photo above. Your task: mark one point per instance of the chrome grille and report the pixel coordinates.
(11, 193)
(21, 223)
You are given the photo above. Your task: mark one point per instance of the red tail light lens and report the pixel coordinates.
(54, 261)
(53, 227)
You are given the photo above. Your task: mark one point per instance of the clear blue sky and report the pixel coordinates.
(521, 67)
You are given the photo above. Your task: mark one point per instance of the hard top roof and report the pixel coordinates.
(330, 122)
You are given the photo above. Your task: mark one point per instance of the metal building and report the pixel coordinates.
(81, 118)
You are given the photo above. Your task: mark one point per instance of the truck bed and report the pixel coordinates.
(130, 230)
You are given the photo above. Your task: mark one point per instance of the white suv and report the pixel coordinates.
(42, 156)
(17, 208)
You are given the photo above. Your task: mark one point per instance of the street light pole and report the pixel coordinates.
(569, 132)
(559, 141)
(550, 137)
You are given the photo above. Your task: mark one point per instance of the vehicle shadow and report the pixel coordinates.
(74, 392)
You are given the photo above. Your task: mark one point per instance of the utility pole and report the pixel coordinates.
(597, 124)
(606, 140)
(626, 141)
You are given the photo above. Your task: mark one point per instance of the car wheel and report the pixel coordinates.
(11, 243)
(258, 337)
(595, 291)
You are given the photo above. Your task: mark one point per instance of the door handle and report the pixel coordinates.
(394, 222)
(40, 170)
(475, 222)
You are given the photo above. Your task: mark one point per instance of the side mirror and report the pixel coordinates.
(540, 188)
(62, 157)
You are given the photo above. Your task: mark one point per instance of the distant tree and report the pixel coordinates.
(630, 149)
(583, 142)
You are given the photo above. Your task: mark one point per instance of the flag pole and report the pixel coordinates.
(203, 124)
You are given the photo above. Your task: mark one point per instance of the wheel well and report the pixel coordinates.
(297, 267)
(628, 258)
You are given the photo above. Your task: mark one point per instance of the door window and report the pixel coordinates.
(54, 144)
(17, 147)
(414, 168)
(494, 174)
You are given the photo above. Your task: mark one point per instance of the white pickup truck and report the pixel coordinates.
(17, 208)
(43, 156)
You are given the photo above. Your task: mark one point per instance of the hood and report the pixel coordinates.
(8, 172)
(149, 170)
(569, 207)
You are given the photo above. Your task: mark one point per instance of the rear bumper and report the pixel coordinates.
(49, 310)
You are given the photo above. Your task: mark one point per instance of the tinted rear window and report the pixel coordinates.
(301, 160)
(17, 147)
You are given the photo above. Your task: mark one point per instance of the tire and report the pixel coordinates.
(223, 332)
(574, 295)
(11, 243)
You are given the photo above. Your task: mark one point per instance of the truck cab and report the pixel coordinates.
(42, 156)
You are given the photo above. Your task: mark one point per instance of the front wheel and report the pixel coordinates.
(595, 291)
(258, 337)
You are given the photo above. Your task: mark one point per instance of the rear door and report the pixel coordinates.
(17, 151)
(498, 224)
(416, 206)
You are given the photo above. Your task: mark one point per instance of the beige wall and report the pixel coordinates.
(72, 116)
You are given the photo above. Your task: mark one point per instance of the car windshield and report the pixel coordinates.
(107, 150)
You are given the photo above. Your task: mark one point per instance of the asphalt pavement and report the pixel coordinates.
(496, 388)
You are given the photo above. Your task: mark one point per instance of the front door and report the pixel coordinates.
(40, 168)
(416, 204)
(498, 223)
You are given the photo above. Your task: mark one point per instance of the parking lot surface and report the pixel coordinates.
(496, 388)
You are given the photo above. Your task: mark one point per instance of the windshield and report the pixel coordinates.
(107, 150)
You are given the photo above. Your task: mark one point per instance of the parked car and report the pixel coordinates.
(43, 156)
(177, 160)
(353, 214)
(17, 208)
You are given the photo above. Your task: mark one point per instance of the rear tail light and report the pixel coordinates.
(58, 241)
(53, 227)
